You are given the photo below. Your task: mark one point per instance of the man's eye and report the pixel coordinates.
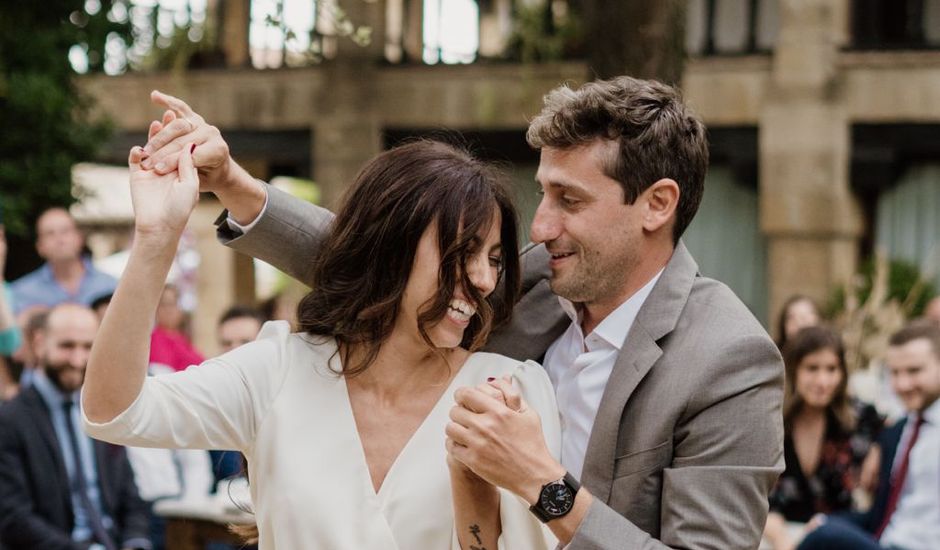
(569, 201)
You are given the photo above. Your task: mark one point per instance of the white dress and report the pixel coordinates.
(277, 401)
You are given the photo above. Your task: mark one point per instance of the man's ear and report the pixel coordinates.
(662, 199)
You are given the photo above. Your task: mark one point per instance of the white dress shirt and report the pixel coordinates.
(579, 368)
(915, 524)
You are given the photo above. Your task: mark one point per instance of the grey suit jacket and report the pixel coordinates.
(688, 439)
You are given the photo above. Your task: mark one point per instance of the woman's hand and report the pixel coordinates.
(180, 126)
(163, 202)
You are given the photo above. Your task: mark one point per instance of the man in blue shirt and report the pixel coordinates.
(58, 487)
(66, 276)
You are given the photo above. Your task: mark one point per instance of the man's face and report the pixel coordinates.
(237, 331)
(58, 239)
(65, 345)
(915, 373)
(593, 236)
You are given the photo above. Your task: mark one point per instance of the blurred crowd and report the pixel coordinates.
(48, 320)
(850, 467)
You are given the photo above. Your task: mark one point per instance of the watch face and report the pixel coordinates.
(556, 499)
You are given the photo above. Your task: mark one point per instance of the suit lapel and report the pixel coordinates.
(657, 317)
(43, 421)
(102, 452)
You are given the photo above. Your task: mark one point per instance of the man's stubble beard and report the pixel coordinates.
(54, 374)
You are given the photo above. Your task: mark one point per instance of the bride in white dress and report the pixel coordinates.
(343, 422)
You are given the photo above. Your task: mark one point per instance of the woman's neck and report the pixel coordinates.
(810, 414)
(405, 365)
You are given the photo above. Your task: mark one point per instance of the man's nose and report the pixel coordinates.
(545, 224)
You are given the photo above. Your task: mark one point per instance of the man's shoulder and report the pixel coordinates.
(30, 280)
(714, 307)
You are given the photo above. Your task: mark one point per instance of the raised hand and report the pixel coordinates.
(180, 126)
(163, 202)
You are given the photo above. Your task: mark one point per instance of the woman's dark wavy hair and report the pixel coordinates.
(361, 274)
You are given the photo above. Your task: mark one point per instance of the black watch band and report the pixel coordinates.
(556, 498)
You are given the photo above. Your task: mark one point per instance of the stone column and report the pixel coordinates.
(808, 212)
(216, 277)
(348, 132)
(233, 18)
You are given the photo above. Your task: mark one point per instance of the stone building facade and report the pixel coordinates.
(817, 109)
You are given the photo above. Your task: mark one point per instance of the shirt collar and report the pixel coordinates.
(51, 394)
(614, 328)
(931, 414)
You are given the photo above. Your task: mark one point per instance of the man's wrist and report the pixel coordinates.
(242, 195)
(531, 490)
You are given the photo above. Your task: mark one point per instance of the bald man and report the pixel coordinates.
(58, 487)
(66, 276)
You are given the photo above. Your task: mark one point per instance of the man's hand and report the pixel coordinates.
(179, 126)
(501, 440)
(242, 195)
(163, 202)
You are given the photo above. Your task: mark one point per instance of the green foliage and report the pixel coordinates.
(904, 284)
(540, 34)
(46, 123)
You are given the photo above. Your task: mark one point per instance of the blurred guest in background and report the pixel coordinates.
(58, 487)
(33, 321)
(10, 336)
(932, 311)
(66, 276)
(169, 344)
(826, 436)
(907, 502)
(238, 326)
(798, 312)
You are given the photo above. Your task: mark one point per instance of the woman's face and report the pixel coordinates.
(169, 314)
(483, 272)
(818, 377)
(800, 315)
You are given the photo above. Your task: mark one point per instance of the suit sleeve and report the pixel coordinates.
(20, 526)
(728, 453)
(288, 234)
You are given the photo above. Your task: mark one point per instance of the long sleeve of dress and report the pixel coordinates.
(218, 404)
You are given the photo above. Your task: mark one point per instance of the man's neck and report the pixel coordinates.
(593, 313)
(68, 273)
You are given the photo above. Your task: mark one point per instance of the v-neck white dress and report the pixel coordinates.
(278, 401)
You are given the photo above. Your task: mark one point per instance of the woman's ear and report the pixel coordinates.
(662, 199)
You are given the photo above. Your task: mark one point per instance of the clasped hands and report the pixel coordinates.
(495, 435)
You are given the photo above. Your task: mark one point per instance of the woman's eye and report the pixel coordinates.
(496, 261)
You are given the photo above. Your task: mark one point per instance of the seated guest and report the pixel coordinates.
(826, 436)
(168, 344)
(237, 326)
(66, 276)
(797, 313)
(906, 509)
(58, 487)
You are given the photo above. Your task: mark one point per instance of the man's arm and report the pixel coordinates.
(728, 454)
(20, 526)
(288, 234)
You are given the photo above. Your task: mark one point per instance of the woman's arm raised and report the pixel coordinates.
(118, 364)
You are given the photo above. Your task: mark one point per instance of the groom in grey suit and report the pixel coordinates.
(669, 390)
